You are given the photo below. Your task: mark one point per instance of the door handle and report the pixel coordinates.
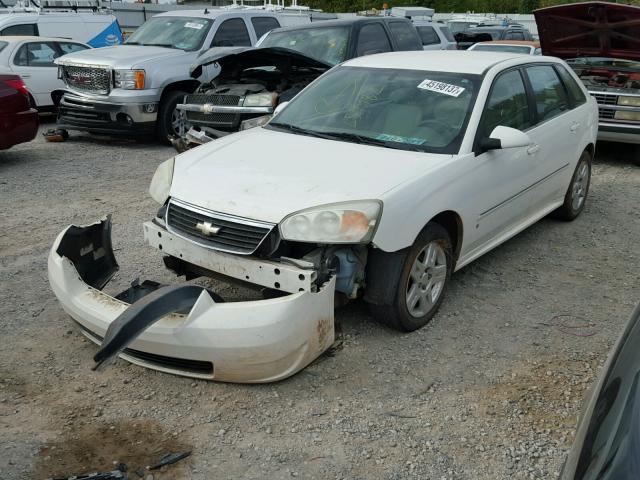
(25, 75)
(574, 126)
(533, 149)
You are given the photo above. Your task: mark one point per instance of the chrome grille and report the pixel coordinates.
(219, 120)
(235, 235)
(605, 99)
(606, 113)
(89, 79)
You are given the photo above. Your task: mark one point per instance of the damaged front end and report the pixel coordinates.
(251, 82)
(187, 329)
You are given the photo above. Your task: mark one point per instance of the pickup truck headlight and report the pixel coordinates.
(629, 101)
(161, 181)
(260, 100)
(129, 79)
(347, 222)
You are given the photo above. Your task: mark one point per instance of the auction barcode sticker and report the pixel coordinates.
(197, 26)
(441, 87)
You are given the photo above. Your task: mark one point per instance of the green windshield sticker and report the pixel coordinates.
(400, 139)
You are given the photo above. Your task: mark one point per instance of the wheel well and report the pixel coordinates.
(184, 85)
(591, 148)
(452, 223)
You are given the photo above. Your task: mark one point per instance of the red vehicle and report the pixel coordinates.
(601, 43)
(18, 118)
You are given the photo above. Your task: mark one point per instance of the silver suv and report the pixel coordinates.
(435, 35)
(134, 88)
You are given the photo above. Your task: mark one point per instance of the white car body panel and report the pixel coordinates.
(40, 80)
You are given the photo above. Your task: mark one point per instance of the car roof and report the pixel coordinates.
(528, 43)
(457, 61)
(341, 23)
(215, 12)
(21, 38)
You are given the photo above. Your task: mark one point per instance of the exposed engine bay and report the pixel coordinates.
(250, 84)
(607, 73)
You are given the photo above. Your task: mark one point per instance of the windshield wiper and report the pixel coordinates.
(302, 131)
(166, 45)
(363, 139)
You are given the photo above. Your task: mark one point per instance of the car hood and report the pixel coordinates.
(232, 58)
(120, 56)
(265, 175)
(590, 29)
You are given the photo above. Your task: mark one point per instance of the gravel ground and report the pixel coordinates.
(491, 388)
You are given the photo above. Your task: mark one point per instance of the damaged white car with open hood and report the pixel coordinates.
(378, 181)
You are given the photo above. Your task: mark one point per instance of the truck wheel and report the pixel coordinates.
(414, 281)
(169, 122)
(576, 195)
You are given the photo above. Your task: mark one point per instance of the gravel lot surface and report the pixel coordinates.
(490, 389)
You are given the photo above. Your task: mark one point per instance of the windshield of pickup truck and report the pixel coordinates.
(183, 33)
(401, 109)
(327, 44)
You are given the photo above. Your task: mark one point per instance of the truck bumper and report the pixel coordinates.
(77, 112)
(616, 132)
(245, 342)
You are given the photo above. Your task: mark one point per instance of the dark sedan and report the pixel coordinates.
(18, 118)
(607, 445)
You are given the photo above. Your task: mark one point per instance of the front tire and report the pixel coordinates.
(576, 195)
(168, 123)
(419, 280)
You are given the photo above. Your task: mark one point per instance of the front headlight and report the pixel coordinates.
(255, 122)
(129, 79)
(161, 181)
(347, 222)
(629, 101)
(260, 100)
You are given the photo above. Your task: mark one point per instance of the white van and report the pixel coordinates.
(97, 29)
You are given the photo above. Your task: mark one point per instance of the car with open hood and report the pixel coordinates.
(252, 82)
(601, 42)
(376, 182)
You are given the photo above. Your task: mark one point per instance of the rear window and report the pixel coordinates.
(550, 96)
(328, 44)
(428, 35)
(264, 24)
(405, 35)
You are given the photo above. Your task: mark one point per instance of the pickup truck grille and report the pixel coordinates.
(215, 120)
(235, 235)
(90, 79)
(605, 99)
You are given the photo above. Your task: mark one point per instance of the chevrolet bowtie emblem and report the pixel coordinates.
(207, 229)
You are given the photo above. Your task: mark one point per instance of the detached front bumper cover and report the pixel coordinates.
(244, 342)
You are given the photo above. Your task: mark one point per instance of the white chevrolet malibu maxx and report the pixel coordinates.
(378, 181)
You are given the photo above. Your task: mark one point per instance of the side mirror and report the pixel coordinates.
(279, 108)
(505, 137)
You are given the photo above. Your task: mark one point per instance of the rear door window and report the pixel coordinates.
(232, 33)
(36, 54)
(575, 92)
(405, 36)
(549, 94)
(30, 29)
(372, 39)
(428, 35)
(507, 104)
(263, 25)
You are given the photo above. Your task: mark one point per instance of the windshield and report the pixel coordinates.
(326, 44)
(502, 48)
(183, 33)
(403, 109)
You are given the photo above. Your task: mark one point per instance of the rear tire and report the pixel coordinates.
(168, 116)
(576, 195)
(419, 279)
